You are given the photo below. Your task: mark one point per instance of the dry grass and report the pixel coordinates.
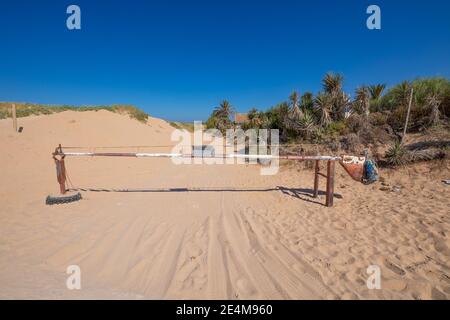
(183, 125)
(398, 155)
(28, 109)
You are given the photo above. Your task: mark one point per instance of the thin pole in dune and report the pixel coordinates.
(316, 179)
(407, 114)
(14, 117)
(330, 184)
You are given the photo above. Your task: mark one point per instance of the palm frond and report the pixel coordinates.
(332, 83)
(362, 96)
(376, 91)
(323, 103)
(294, 99)
(224, 110)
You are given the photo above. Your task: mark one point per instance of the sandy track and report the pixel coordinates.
(232, 234)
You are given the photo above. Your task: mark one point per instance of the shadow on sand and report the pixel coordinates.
(299, 193)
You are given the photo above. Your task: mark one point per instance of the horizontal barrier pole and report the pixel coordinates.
(180, 155)
(330, 171)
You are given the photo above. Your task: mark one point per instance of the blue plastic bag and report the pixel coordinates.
(370, 174)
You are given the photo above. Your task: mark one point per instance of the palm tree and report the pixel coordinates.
(307, 101)
(341, 103)
(282, 121)
(324, 105)
(431, 94)
(224, 110)
(434, 103)
(362, 98)
(222, 115)
(332, 83)
(307, 123)
(254, 118)
(401, 93)
(376, 91)
(295, 104)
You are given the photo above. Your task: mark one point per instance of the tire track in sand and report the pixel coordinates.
(218, 276)
(250, 259)
(299, 278)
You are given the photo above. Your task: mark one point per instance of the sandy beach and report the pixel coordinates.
(208, 231)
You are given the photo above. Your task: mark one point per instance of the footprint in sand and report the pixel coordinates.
(195, 251)
(441, 247)
(245, 289)
(395, 285)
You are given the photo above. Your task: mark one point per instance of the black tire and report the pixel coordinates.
(62, 199)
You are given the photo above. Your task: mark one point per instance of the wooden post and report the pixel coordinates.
(407, 115)
(316, 179)
(61, 174)
(330, 184)
(14, 117)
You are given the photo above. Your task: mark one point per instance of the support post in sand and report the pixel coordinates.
(316, 179)
(60, 171)
(61, 175)
(14, 117)
(330, 184)
(407, 115)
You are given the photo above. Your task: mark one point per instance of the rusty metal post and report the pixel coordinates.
(316, 179)
(62, 185)
(61, 174)
(330, 184)
(60, 169)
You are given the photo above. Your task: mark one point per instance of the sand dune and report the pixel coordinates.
(207, 232)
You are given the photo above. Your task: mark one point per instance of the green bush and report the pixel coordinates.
(397, 100)
(396, 154)
(378, 118)
(336, 128)
(211, 123)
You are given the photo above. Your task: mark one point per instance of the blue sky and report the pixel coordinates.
(179, 59)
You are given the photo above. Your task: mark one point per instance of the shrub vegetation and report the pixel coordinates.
(375, 114)
(27, 109)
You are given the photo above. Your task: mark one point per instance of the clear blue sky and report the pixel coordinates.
(179, 59)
